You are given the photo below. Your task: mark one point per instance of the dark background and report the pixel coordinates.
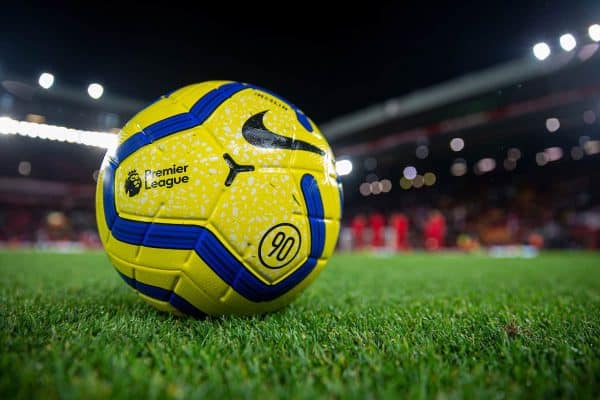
(328, 59)
(329, 62)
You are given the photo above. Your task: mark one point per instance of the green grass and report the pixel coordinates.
(412, 326)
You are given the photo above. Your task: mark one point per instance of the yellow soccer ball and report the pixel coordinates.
(221, 198)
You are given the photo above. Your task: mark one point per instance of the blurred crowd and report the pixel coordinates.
(502, 218)
(562, 217)
(41, 227)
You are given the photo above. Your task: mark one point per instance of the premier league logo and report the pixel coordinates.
(133, 184)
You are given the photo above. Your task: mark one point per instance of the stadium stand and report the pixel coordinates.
(507, 156)
(501, 157)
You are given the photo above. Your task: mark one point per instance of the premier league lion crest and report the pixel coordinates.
(133, 184)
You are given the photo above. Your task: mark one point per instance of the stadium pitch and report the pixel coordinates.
(415, 325)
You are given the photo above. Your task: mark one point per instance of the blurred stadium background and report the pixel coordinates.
(505, 159)
(467, 264)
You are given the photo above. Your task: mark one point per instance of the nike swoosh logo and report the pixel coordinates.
(255, 133)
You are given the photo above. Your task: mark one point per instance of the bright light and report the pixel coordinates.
(386, 185)
(365, 188)
(343, 167)
(418, 181)
(405, 183)
(457, 144)
(429, 179)
(46, 80)
(552, 124)
(553, 153)
(105, 140)
(376, 187)
(459, 167)
(24, 168)
(594, 32)
(540, 159)
(592, 147)
(568, 42)
(410, 172)
(95, 90)
(486, 165)
(40, 119)
(541, 51)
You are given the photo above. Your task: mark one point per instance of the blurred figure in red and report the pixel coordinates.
(358, 230)
(377, 222)
(399, 224)
(434, 231)
(536, 240)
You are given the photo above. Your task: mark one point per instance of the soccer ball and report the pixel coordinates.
(220, 198)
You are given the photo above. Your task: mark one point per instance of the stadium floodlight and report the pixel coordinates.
(567, 42)
(541, 51)
(486, 165)
(594, 32)
(105, 140)
(343, 167)
(552, 124)
(409, 172)
(46, 80)
(365, 188)
(405, 183)
(386, 185)
(540, 159)
(418, 182)
(95, 90)
(429, 178)
(24, 168)
(459, 167)
(376, 187)
(592, 147)
(457, 144)
(553, 154)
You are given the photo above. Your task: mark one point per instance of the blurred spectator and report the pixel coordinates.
(565, 214)
(399, 224)
(36, 226)
(377, 223)
(434, 231)
(359, 223)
